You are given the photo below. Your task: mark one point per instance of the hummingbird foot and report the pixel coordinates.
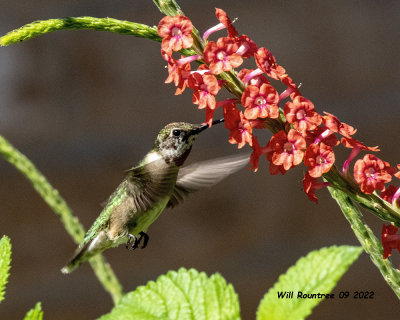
(145, 238)
(135, 242)
(131, 239)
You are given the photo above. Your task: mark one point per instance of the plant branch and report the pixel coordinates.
(40, 27)
(366, 237)
(51, 196)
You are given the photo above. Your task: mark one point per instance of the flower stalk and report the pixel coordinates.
(40, 27)
(366, 237)
(266, 61)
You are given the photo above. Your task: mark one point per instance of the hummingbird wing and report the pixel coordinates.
(144, 186)
(205, 174)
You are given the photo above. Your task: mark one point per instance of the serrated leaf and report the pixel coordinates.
(318, 272)
(35, 313)
(180, 295)
(5, 260)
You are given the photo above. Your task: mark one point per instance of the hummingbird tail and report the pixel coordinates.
(87, 250)
(81, 255)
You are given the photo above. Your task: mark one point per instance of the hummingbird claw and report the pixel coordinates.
(145, 238)
(135, 241)
(131, 239)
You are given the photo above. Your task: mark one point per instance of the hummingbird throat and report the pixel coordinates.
(176, 150)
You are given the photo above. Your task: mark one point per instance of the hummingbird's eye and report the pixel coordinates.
(176, 132)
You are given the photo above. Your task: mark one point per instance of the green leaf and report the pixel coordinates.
(35, 313)
(5, 260)
(183, 294)
(318, 272)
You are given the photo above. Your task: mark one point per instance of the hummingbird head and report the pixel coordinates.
(175, 140)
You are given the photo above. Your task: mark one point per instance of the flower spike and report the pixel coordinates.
(301, 134)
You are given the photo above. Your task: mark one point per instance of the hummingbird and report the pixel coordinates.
(156, 183)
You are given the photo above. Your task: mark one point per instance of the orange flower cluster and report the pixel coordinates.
(306, 136)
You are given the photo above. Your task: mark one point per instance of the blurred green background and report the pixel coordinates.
(84, 106)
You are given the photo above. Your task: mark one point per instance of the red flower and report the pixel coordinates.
(286, 150)
(176, 33)
(209, 116)
(240, 128)
(356, 146)
(224, 19)
(390, 240)
(267, 63)
(372, 173)
(300, 113)
(397, 174)
(247, 47)
(256, 154)
(333, 124)
(260, 123)
(260, 102)
(205, 88)
(311, 184)
(221, 55)
(353, 143)
(388, 194)
(256, 81)
(273, 169)
(292, 89)
(177, 73)
(319, 158)
(323, 135)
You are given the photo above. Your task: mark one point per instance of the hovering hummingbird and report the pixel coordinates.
(156, 183)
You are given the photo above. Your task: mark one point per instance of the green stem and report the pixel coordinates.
(169, 7)
(232, 83)
(71, 223)
(107, 277)
(38, 28)
(41, 27)
(367, 239)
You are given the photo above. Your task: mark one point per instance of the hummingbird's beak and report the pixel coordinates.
(205, 126)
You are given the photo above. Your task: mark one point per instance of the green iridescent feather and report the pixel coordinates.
(115, 199)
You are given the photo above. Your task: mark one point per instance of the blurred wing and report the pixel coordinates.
(205, 174)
